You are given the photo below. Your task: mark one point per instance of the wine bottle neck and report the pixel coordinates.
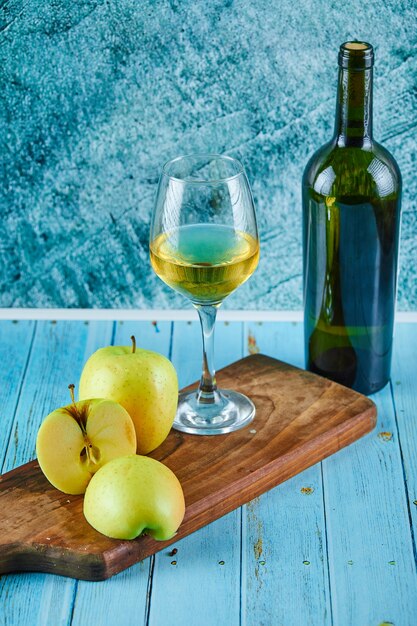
(353, 125)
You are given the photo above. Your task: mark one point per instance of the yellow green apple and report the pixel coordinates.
(144, 382)
(135, 494)
(74, 441)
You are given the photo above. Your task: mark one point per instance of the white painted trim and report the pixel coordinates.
(164, 315)
(406, 316)
(146, 314)
(97, 314)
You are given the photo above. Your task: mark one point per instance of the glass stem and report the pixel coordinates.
(207, 389)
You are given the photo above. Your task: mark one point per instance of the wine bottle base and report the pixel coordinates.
(350, 379)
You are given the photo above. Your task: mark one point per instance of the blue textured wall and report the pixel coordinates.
(95, 96)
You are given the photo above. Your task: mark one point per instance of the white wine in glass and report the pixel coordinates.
(204, 244)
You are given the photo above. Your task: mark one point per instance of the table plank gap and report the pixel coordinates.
(113, 333)
(171, 341)
(149, 590)
(326, 545)
(243, 564)
(407, 499)
(72, 606)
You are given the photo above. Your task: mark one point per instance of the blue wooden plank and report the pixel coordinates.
(58, 353)
(284, 560)
(120, 601)
(15, 345)
(200, 584)
(283, 341)
(284, 564)
(35, 600)
(372, 570)
(404, 388)
(123, 599)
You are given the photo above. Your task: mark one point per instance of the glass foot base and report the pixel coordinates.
(230, 411)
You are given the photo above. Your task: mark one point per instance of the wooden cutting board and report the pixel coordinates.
(300, 419)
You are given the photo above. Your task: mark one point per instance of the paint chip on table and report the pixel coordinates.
(385, 435)
(307, 490)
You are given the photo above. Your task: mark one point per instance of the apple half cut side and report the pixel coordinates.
(74, 441)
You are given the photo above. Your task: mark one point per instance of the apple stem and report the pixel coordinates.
(133, 344)
(71, 388)
(79, 416)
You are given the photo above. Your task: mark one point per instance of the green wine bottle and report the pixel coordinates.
(351, 222)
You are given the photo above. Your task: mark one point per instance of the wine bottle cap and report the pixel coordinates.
(356, 55)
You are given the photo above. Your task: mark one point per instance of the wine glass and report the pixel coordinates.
(204, 244)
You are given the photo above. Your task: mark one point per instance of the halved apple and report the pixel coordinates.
(74, 441)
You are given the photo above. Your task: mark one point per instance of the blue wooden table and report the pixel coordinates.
(333, 545)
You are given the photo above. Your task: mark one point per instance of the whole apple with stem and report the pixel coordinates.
(144, 382)
(74, 441)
